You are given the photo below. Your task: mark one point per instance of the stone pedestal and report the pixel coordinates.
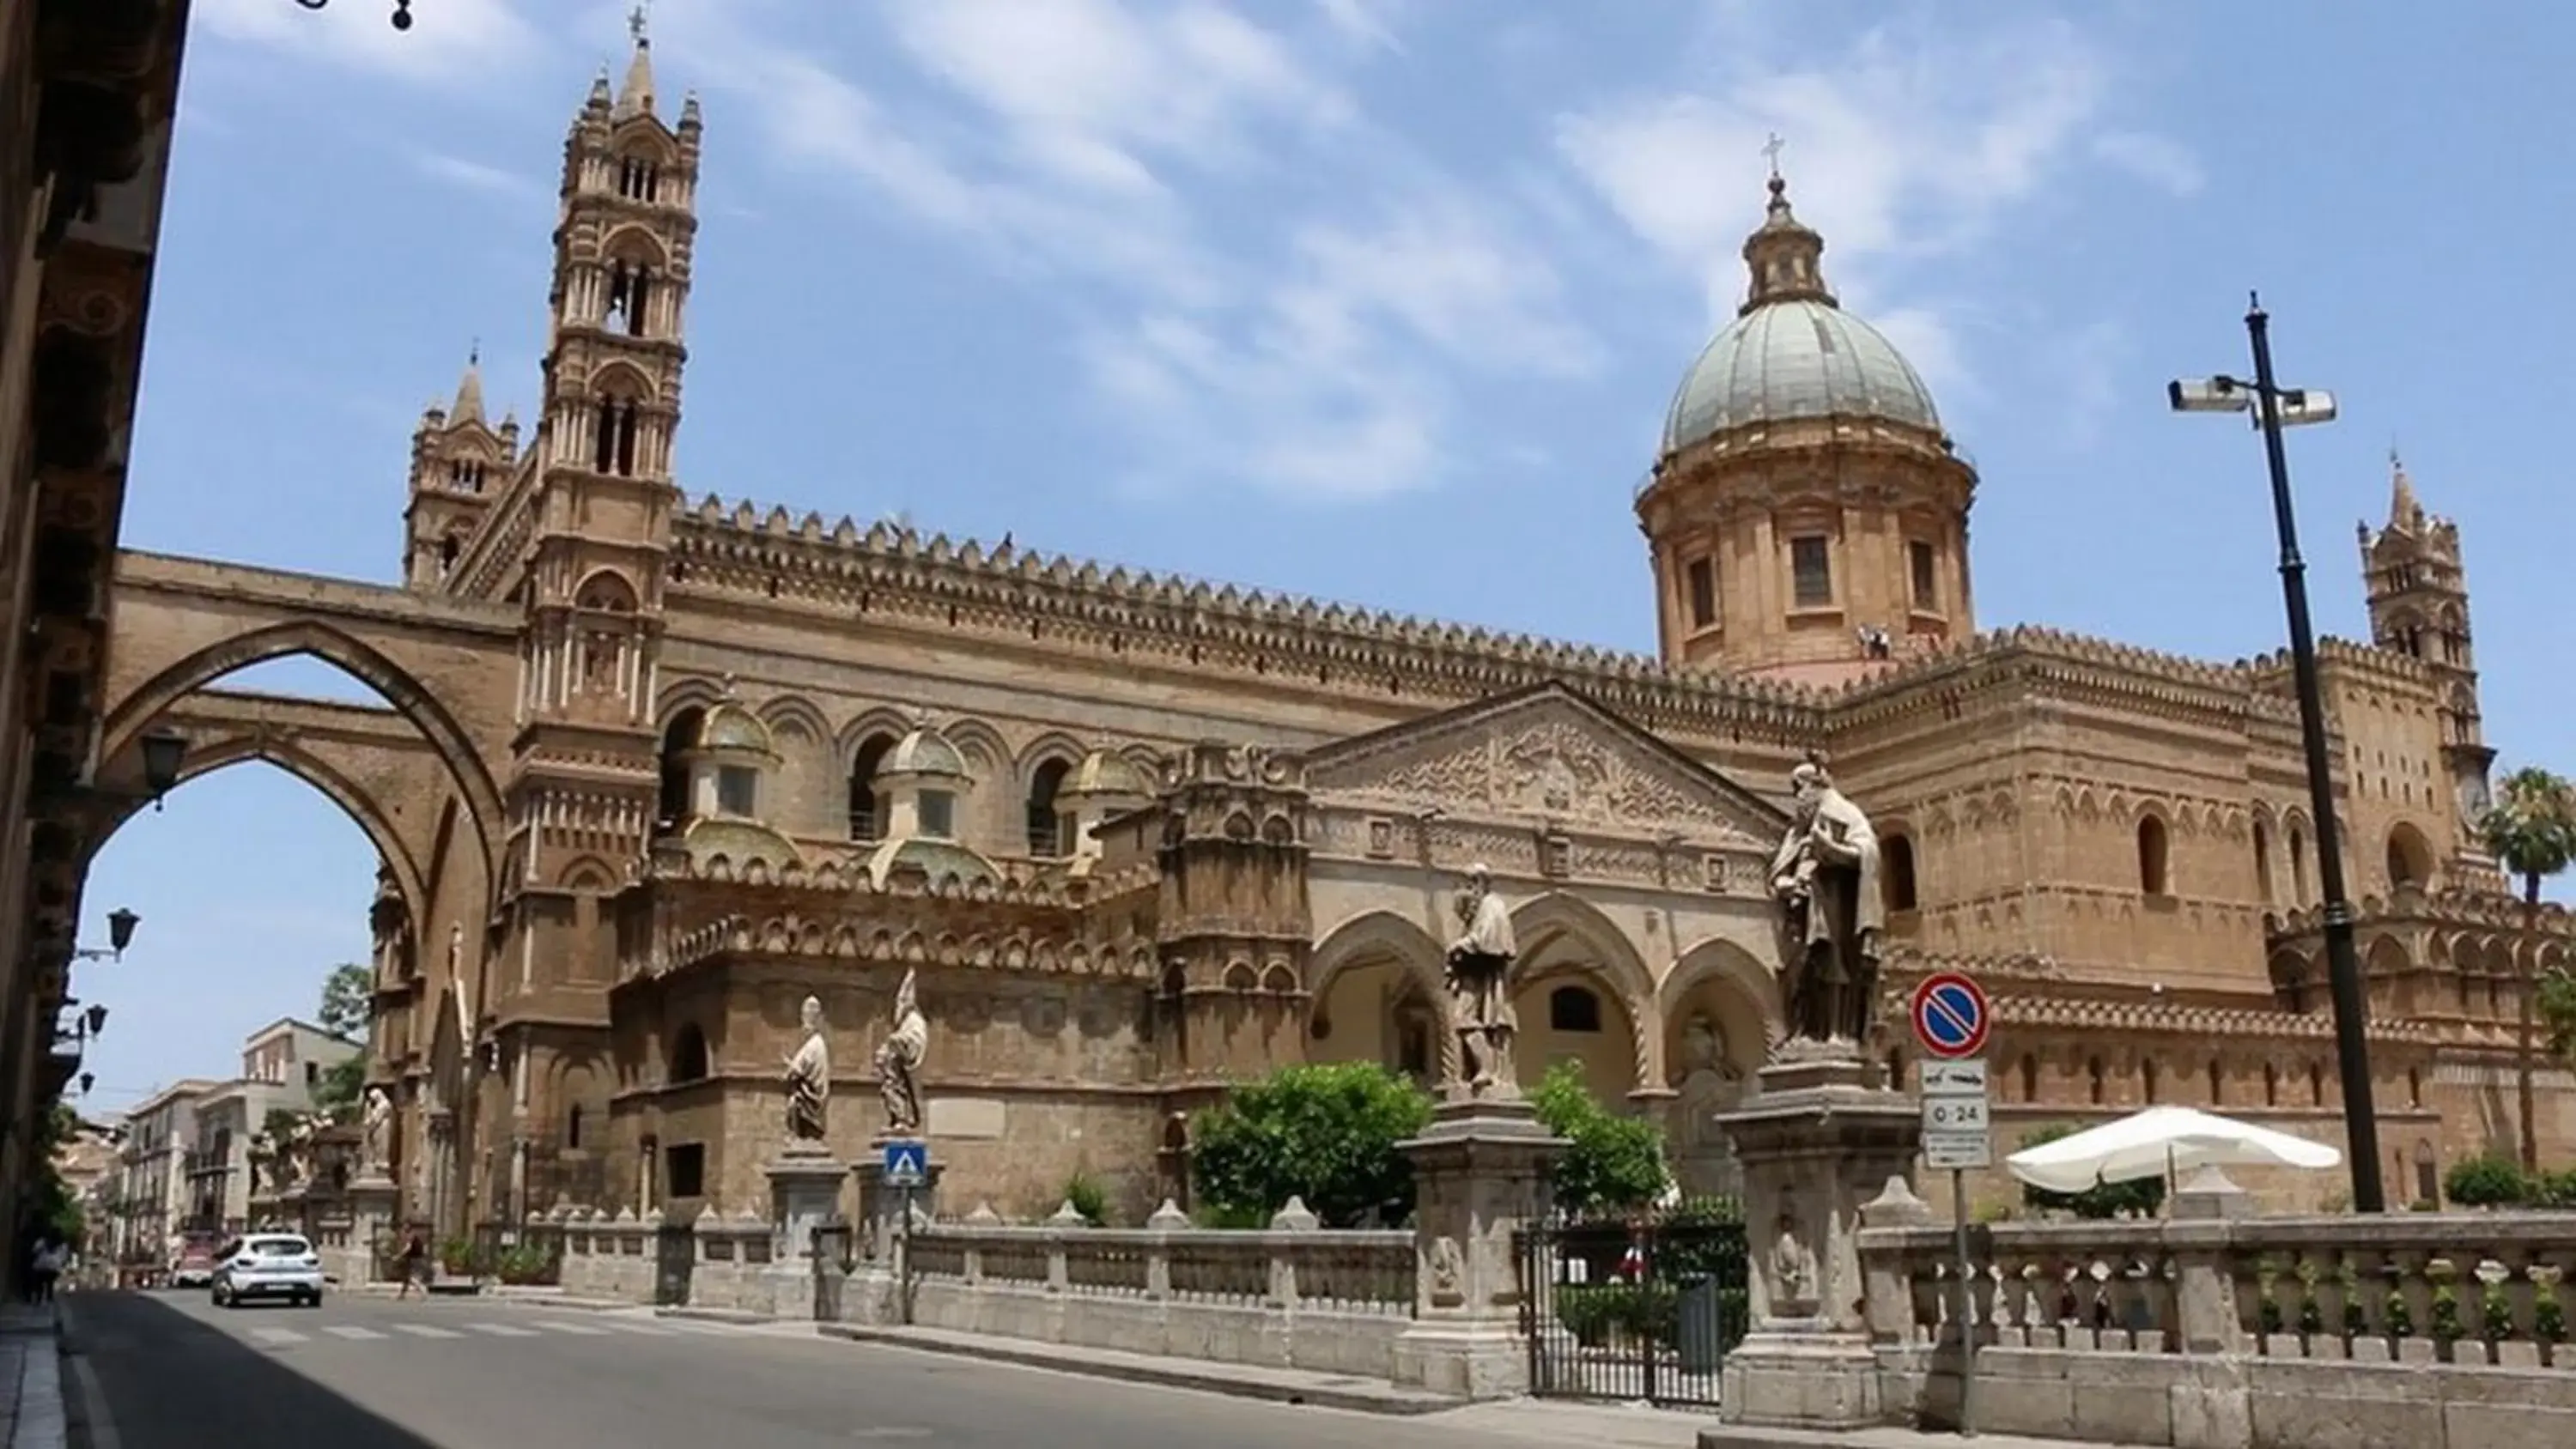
(804, 1194)
(1479, 1173)
(374, 1203)
(881, 1207)
(1816, 1142)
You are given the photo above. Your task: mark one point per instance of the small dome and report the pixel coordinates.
(1105, 773)
(729, 726)
(937, 859)
(925, 751)
(1796, 358)
(739, 841)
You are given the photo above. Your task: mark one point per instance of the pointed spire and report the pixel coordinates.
(2405, 515)
(469, 390)
(635, 98)
(1784, 256)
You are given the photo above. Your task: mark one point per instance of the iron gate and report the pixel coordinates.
(675, 1253)
(1634, 1308)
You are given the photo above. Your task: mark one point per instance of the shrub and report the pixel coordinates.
(2487, 1182)
(1322, 1132)
(2138, 1197)
(1088, 1198)
(1611, 1162)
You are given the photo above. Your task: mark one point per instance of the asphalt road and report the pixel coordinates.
(175, 1373)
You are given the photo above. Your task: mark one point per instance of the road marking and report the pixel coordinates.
(423, 1330)
(503, 1330)
(583, 1330)
(277, 1335)
(352, 1331)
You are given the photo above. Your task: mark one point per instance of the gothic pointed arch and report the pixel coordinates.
(415, 701)
(353, 800)
(1719, 959)
(1561, 931)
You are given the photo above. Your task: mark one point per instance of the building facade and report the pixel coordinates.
(284, 1065)
(673, 767)
(88, 97)
(152, 1205)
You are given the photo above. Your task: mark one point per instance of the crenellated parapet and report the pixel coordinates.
(892, 573)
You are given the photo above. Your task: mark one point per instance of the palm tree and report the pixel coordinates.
(2531, 832)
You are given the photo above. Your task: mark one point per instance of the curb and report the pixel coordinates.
(715, 1315)
(1173, 1374)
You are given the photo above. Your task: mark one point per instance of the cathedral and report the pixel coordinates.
(1140, 837)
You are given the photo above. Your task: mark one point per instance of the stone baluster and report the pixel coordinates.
(1165, 1221)
(1293, 1218)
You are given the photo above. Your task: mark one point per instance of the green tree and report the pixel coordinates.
(348, 1001)
(337, 1092)
(2531, 832)
(2138, 1197)
(1612, 1162)
(1322, 1132)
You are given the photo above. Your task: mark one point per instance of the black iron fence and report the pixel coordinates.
(1637, 1308)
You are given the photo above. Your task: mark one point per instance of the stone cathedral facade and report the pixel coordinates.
(1143, 836)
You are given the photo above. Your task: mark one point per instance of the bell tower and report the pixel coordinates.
(459, 463)
(2418, 595)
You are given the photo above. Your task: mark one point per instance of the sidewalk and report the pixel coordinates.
(31, 1384)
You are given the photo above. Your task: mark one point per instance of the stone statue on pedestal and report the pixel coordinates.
(899, 1060)
(1825, 877)
(375, 1127)
(1480, 1006)
(809, 1081)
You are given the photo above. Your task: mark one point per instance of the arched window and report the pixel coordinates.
(867, 812)
(1572, 1008)
(681, 733)
(1896, 860)
(2262, 863)
(688, 1055)
(2151, 856)
(1043, 785)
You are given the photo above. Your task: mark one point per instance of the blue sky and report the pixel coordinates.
(1377, 300)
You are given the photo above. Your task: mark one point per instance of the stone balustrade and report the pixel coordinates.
(2217, 1328)
(1294, 1296)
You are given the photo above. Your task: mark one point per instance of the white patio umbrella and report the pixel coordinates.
(2162, 1142)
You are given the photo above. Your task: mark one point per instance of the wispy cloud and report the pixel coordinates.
(476, 176)
(1902, 149)
(450, 42)
(1240, 327)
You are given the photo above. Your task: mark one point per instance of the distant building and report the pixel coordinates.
(283, 1065)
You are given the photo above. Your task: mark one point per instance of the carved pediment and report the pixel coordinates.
(1544, 753)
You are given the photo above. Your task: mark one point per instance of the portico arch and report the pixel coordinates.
(1560, 935)
(1360, 978)
(353, 801)
(129, 717)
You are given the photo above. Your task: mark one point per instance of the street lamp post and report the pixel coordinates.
(2276, 408)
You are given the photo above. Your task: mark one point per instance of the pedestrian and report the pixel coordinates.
(408, 1264)
(43, 1270)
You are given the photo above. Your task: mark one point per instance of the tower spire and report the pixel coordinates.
(2404, 513)
(469, 388)
(1784, 256)
(635, 98)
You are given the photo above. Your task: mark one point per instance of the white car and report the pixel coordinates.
(268, 1265)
